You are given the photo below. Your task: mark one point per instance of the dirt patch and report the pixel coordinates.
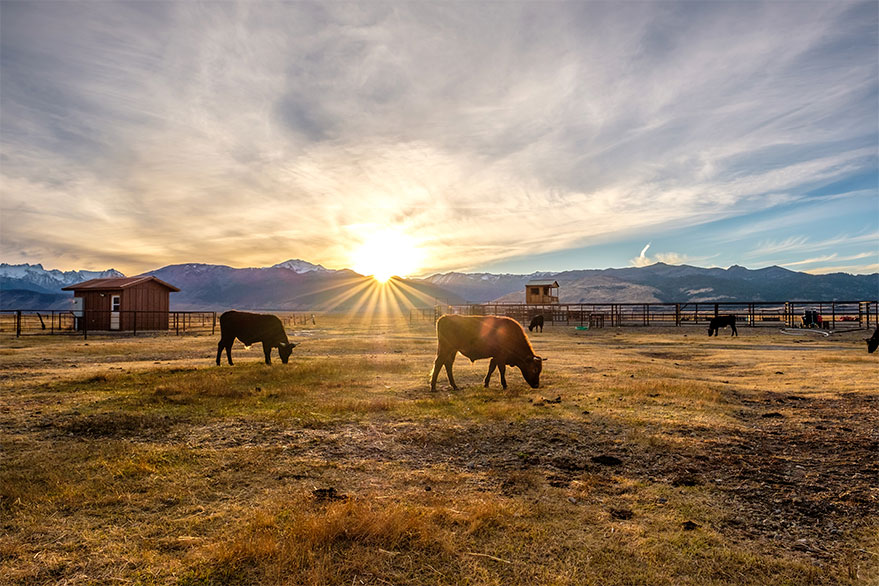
(807, 478)
(671, 355)
(112, 425)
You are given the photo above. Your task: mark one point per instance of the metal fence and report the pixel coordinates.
(34, 321)
(823, 314)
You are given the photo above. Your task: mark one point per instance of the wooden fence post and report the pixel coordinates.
(18, 324)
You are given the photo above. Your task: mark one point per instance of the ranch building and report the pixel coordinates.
(541, 292)
(125, 304)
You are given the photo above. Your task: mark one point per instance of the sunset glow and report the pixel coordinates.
(387, 254)
(708, 133)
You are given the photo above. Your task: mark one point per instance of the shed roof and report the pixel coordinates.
(542, 283)
(117, 283)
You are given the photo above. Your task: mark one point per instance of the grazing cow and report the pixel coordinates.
(500, 338)
(873, 341)
(536, 322)
(251, 328)
(721, 321)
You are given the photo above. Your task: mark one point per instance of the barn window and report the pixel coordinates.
(115, 302)
(535, 290)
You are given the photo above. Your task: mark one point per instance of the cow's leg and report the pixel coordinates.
(502, 368)
(448, 363)
(437, 366)
(491, 366)
(735, 332)
(220, 346)
(267, 350)
(229, 350)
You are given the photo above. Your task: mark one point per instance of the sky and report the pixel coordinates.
(495, 136)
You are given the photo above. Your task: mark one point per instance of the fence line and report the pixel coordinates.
(130, 322)
(823, 314)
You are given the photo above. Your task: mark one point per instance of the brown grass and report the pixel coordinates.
(671, 458)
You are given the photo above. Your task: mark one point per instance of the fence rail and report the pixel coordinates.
(823, 314)
(35, 321)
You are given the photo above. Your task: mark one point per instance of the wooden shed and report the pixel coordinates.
(541, 291)
(126, 304)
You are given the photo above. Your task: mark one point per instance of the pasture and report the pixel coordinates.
(648, 456)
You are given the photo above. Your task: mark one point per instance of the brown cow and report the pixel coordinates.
(251, 328)
(500, 338)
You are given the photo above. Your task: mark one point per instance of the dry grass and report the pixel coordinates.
(668, 458)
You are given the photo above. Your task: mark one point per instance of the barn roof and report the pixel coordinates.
(117, 283)
(542, 283)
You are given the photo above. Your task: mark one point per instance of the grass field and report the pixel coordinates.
(648, 456)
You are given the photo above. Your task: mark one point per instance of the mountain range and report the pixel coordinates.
(297, 285)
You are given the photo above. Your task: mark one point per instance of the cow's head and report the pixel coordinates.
(872, 343)
(531, 370)
(285, 349)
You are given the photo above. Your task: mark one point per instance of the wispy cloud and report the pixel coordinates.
(642, 260)
(834, 257)
(803, 245)
(248, 133)
(860, 269)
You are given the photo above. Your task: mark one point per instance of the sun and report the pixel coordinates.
(387, 254)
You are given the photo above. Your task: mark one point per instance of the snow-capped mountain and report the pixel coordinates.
(300, 285)
(36, 278)
(667, 284)
(300, 266)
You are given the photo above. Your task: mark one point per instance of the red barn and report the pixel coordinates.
(128, 303)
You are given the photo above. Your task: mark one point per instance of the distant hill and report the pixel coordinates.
(662, 283)
(297, 285)
(25, 299)
(218, 287)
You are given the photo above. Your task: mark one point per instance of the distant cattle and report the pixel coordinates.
(536, 322)
(721, 321)
(251, 328)
(500, 338)
(873, 341)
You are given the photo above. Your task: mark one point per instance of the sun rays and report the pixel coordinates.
(363, 298)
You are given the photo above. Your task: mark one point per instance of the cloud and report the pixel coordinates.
(802, 244)
(642, 260)
(858, 269)
(671, 258)
(249, 133)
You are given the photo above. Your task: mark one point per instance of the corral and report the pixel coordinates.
(650, 455)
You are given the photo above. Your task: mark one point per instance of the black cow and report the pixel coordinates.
(873, 341)
(500, 338)
(536, 322)
(721, 321)
(251, 328)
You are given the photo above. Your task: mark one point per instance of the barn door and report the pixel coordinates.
(115, 302)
